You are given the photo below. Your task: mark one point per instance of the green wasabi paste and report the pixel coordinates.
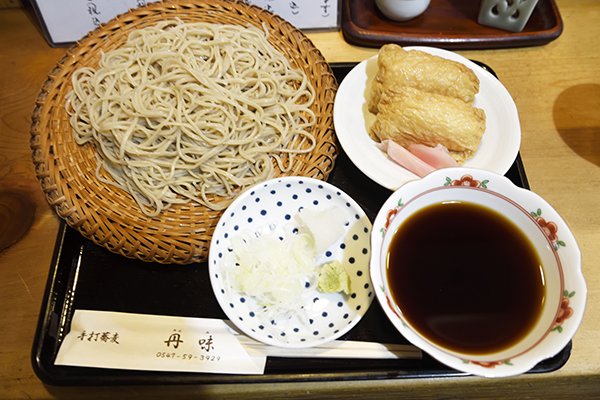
(333, 278)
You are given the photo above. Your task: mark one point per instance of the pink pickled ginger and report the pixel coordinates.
(405, 158)
(437, 157)
(418, 158)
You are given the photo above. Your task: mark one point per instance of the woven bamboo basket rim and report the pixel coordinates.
(108, 216)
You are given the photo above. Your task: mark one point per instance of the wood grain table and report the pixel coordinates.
(557, 91)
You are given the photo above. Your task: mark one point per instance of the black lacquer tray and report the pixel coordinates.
(85, 276)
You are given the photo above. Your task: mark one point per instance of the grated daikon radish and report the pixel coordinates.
(274, 269)
(279, 268)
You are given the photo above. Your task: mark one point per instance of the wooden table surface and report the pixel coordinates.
(557, 91)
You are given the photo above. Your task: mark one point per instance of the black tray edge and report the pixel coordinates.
(46, 310)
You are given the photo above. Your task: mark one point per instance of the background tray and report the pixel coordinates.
(449, 24)
(86, 276)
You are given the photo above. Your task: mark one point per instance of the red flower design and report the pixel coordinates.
(466, 180)
(392, 307)
(487, 364)
(550, 229)
(390, 215)
(564, 312)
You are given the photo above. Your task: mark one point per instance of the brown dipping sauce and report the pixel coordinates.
(465, 277)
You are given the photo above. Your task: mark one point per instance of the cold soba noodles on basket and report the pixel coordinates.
(185, 110)
(284, 108)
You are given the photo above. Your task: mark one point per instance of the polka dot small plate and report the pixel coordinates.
(311, 315)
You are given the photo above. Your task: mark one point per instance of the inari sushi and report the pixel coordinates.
(398, 68)
(413, 116)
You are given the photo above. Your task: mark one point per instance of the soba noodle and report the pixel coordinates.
(192, 112)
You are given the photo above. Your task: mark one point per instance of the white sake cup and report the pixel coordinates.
(402, 10)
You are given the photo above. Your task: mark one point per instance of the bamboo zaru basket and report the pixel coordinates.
(107, 215)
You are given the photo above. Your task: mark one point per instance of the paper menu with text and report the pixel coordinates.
(67, 21)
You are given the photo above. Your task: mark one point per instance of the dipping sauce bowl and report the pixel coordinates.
(479, 273)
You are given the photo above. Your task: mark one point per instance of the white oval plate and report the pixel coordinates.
(498, 149)
(270, 207)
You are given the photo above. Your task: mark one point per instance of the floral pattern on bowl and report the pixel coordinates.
(466, 181)
(570, 294)
(565, 312)
(550, 229)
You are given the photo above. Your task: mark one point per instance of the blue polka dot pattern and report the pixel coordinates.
(272, 206)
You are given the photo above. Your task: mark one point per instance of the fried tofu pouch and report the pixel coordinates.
(398, 68)
(411, 115)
